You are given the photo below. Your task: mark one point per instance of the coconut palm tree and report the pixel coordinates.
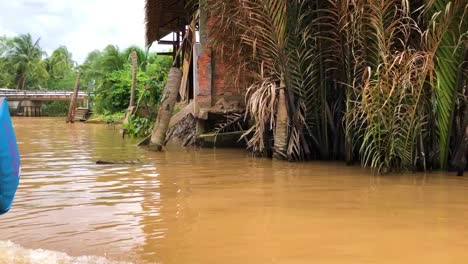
(112, 59)
(26, 57)
(5, 44)
(5, 70)
(59, 63)
(142, 56)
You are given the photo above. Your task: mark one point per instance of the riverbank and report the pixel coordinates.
(116, 118)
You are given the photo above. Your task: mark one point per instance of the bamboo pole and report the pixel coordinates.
(74, 98)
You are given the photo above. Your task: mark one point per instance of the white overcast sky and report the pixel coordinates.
(81, 25)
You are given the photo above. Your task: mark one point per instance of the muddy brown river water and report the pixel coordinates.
(218, 206)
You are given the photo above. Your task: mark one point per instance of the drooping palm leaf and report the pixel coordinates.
(260, 27)
(447, 24)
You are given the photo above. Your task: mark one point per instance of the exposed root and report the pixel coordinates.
(186, 132)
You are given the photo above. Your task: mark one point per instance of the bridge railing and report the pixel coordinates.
(38, 93)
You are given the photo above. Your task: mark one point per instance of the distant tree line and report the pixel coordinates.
(106, 74)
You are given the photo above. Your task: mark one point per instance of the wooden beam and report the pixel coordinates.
(166, 53)
(166, 42)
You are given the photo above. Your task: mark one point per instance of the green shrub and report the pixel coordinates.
(55, 108)
(138, 126)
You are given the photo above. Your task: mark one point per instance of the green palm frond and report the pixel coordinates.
(387, 114)
(447, 24)
(353, 76)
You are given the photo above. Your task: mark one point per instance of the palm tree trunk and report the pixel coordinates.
(72, 108)
(171, 91)
(21, 81)
(281, 129)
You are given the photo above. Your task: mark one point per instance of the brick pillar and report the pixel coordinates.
(205, 73)
(204, 65)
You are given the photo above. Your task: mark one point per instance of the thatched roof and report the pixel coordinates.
(164, 17)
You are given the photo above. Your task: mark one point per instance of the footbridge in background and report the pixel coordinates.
(29, 102)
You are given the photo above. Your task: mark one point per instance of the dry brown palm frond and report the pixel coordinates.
(364, 63)
(390, 111)
(261, 106)
(231, 122)
(387, 112)
(256, 31)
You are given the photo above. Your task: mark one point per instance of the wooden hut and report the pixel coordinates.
(206, 93)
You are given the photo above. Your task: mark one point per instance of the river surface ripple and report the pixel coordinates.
(218, 206)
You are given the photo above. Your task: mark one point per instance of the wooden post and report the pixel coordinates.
(179, 44)
(131, 105)
(72, 108)
(187, 54)
(171, 91)
(134, 59)
(176, 48)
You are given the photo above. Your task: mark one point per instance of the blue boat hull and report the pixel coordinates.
(9, 159)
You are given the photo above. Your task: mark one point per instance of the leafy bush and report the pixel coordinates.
(108, 117)
(109, 71)
(55, 108)
(138, 126)
(113, 118)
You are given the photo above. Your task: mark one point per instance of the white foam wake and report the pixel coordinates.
(11, 253)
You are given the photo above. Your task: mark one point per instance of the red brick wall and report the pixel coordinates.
(213, 79)
(222, 87)
(205, 82)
